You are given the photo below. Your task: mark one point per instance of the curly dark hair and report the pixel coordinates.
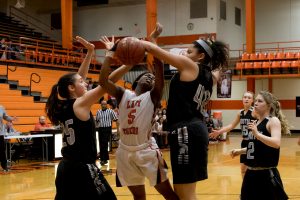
(220, 54)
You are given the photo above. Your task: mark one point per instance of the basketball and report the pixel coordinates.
(130, 51)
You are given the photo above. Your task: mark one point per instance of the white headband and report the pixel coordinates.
(205, 46)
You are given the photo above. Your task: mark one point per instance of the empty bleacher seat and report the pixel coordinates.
(245, 56)
(295, 64)
(280, 55)
(248, 65)
(271, 56)
(285, 64)
(297, 55)
(276, 64)
(253, 56)
(262, 56)
(290, 55)
(239, 65)
(257, 65)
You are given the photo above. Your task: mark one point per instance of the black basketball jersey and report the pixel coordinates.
(79, 137)
(187, 100)
(245, 118)
(259, 154)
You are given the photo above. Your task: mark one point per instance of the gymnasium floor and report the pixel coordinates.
(31, 180)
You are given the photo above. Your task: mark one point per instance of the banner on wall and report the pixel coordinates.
(224, 85)
(177, 51)
(297, 106)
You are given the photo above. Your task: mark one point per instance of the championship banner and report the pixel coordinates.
(224, 85)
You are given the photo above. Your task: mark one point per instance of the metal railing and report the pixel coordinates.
(32, 80)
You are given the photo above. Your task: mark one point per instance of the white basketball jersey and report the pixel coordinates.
(135, 119)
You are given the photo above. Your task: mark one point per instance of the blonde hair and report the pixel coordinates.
(252, 93)
(275, 110)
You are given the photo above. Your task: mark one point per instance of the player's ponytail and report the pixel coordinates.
(285, 129)
(59, 93)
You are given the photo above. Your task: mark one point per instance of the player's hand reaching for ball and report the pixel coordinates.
(109, 45)
(85, 43)
(157, 31)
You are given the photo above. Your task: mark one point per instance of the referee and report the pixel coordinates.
(104, 118)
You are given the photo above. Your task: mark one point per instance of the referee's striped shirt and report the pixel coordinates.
(105, 117)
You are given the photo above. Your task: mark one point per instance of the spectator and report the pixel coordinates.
(159, 134)
(17, 147)
(42, 124)
(90, 85)
(104, 118)
(3, 116)
(8, 127)
(3, 47)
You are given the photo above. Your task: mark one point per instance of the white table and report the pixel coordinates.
(43, 136)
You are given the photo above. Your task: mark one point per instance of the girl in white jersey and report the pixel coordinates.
(138, 155)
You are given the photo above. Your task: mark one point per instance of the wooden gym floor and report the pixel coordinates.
(32, 180)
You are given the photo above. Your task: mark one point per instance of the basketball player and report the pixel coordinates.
(138, 155)
(243, 117)
(69, 105)
(262, 179)
(190, 91)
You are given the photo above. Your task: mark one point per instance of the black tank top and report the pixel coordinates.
(187, 100)
(258, 153)
(79, 137)
(244, 120)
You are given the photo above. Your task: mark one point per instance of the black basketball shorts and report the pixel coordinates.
(188, 148)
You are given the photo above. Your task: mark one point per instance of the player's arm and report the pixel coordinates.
(188, 69)
(274, 127)
(237, 152)
(215, 133)
(107, 84)
(84, 67)
(156, 92)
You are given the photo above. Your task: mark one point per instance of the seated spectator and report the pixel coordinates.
(3, 48)
(90, 85)
(42, 124)
(3, 158)
(159, 134)
(8, 127)
(18, 144)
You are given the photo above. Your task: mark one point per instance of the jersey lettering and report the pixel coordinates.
(68, 133)
(131, 116)
(201, 97)
(134, 103)
(250, 150)
(131, 131)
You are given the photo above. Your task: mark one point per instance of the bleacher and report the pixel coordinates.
(22, 104)
(277, 62)
(17, 30)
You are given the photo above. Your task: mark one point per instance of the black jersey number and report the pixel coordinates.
(250, 150)
(69, 133)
